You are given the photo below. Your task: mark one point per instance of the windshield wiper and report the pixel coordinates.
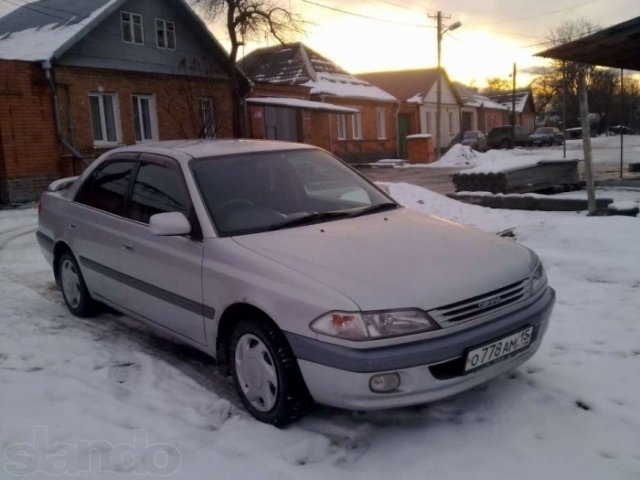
(380, 207)
(309, 218)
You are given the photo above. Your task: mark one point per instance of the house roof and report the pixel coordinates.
(46, 29)
(506, 99)
(408, 85)
(297, 64)
(43, 30)
(300, 103)
(616, 46)
(471, 98)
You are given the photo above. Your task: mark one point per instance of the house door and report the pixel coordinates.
(467, 121)
(404, 129)
(281, 123)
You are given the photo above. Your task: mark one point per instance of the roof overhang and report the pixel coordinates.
(616, 47)
(288, 102)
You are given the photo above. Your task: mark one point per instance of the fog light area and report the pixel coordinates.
(384, 382)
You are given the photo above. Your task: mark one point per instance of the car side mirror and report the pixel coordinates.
(169, 224)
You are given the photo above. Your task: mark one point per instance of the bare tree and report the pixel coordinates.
(248, 20)
(548, 87)
(496, 85)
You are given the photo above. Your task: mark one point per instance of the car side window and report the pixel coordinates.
(158, 188)
(107, 186)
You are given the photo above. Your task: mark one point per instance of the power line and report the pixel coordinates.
(367, 17)
(543, 14)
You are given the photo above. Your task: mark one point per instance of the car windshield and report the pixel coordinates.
(470, 135)
(271, 190)
(544, 130)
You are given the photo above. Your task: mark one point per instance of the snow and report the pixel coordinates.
(347, 86)
(606, 152)
(41, 43)
(420, 135)
(624, 206)
(104, 398)
(298, 103)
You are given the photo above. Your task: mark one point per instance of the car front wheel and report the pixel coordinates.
(266, 374)
(74, 290)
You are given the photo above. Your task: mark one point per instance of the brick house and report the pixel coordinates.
(525, 107)
(417, 90)
(479, 112)
(302, 96)
(113, 72)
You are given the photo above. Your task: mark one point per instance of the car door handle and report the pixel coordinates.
(127, 247)
(72, 226)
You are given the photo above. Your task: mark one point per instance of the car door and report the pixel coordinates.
(92, 226)
(162, 276)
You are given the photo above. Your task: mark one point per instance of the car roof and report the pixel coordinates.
(199, 148)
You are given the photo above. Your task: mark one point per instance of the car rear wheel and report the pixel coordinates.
(505, 143)
(74, 290)
(266, 374)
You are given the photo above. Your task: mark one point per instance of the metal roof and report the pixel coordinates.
(617, 46)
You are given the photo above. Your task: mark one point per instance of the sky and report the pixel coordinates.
(379, 35)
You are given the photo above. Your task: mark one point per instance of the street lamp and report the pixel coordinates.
(441, 32)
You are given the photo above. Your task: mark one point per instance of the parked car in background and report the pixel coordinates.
(502, 137)
(620, 129)
(475, 139)
(546, 136)
(284, 263)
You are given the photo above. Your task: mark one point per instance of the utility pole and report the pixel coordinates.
(440, 31)
(513, 108)
(586, 139)
(438, 18)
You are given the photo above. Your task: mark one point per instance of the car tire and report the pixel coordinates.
(266, 374)
(74, 290)
(505, 143)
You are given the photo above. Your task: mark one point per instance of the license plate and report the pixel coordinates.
(495, 351)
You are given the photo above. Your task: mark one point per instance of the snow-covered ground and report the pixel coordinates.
(606, 153)
(104, 398)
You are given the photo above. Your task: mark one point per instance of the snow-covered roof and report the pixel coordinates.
(297, 64)
(473, 99)
(506, 99)
(44, 29)
(299, 103)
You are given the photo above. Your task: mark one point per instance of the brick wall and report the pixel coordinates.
(30, 154)
(29, 150)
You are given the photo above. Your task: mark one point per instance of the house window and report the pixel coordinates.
(165, 34)
(132, 31)
(451, 127)
(427, 122)
(206, 114)
(356, 125)
(105, 120)
(381, 123)
(342, 126)
(145, 118)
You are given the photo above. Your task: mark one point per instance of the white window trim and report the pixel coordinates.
(341, 133)
(175, 37)
(356, 125)
(381, 123)
(131, 28)
(116, 119)
(153, 117)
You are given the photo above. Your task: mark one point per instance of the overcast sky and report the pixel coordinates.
(398, 33)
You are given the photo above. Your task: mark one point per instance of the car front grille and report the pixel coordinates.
(480, 305)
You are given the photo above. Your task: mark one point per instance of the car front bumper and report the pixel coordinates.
(429, 370)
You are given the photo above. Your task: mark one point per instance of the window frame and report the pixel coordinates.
(341, 121)
(165, 37)
(356, 125)
(153, 117)
(105, 142)
(381, 123)
(131, 27)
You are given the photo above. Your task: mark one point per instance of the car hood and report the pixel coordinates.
(397, 259)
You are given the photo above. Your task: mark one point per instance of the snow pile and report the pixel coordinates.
(104, 398)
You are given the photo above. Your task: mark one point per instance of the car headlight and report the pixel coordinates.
(538, 278)
(373, 325)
